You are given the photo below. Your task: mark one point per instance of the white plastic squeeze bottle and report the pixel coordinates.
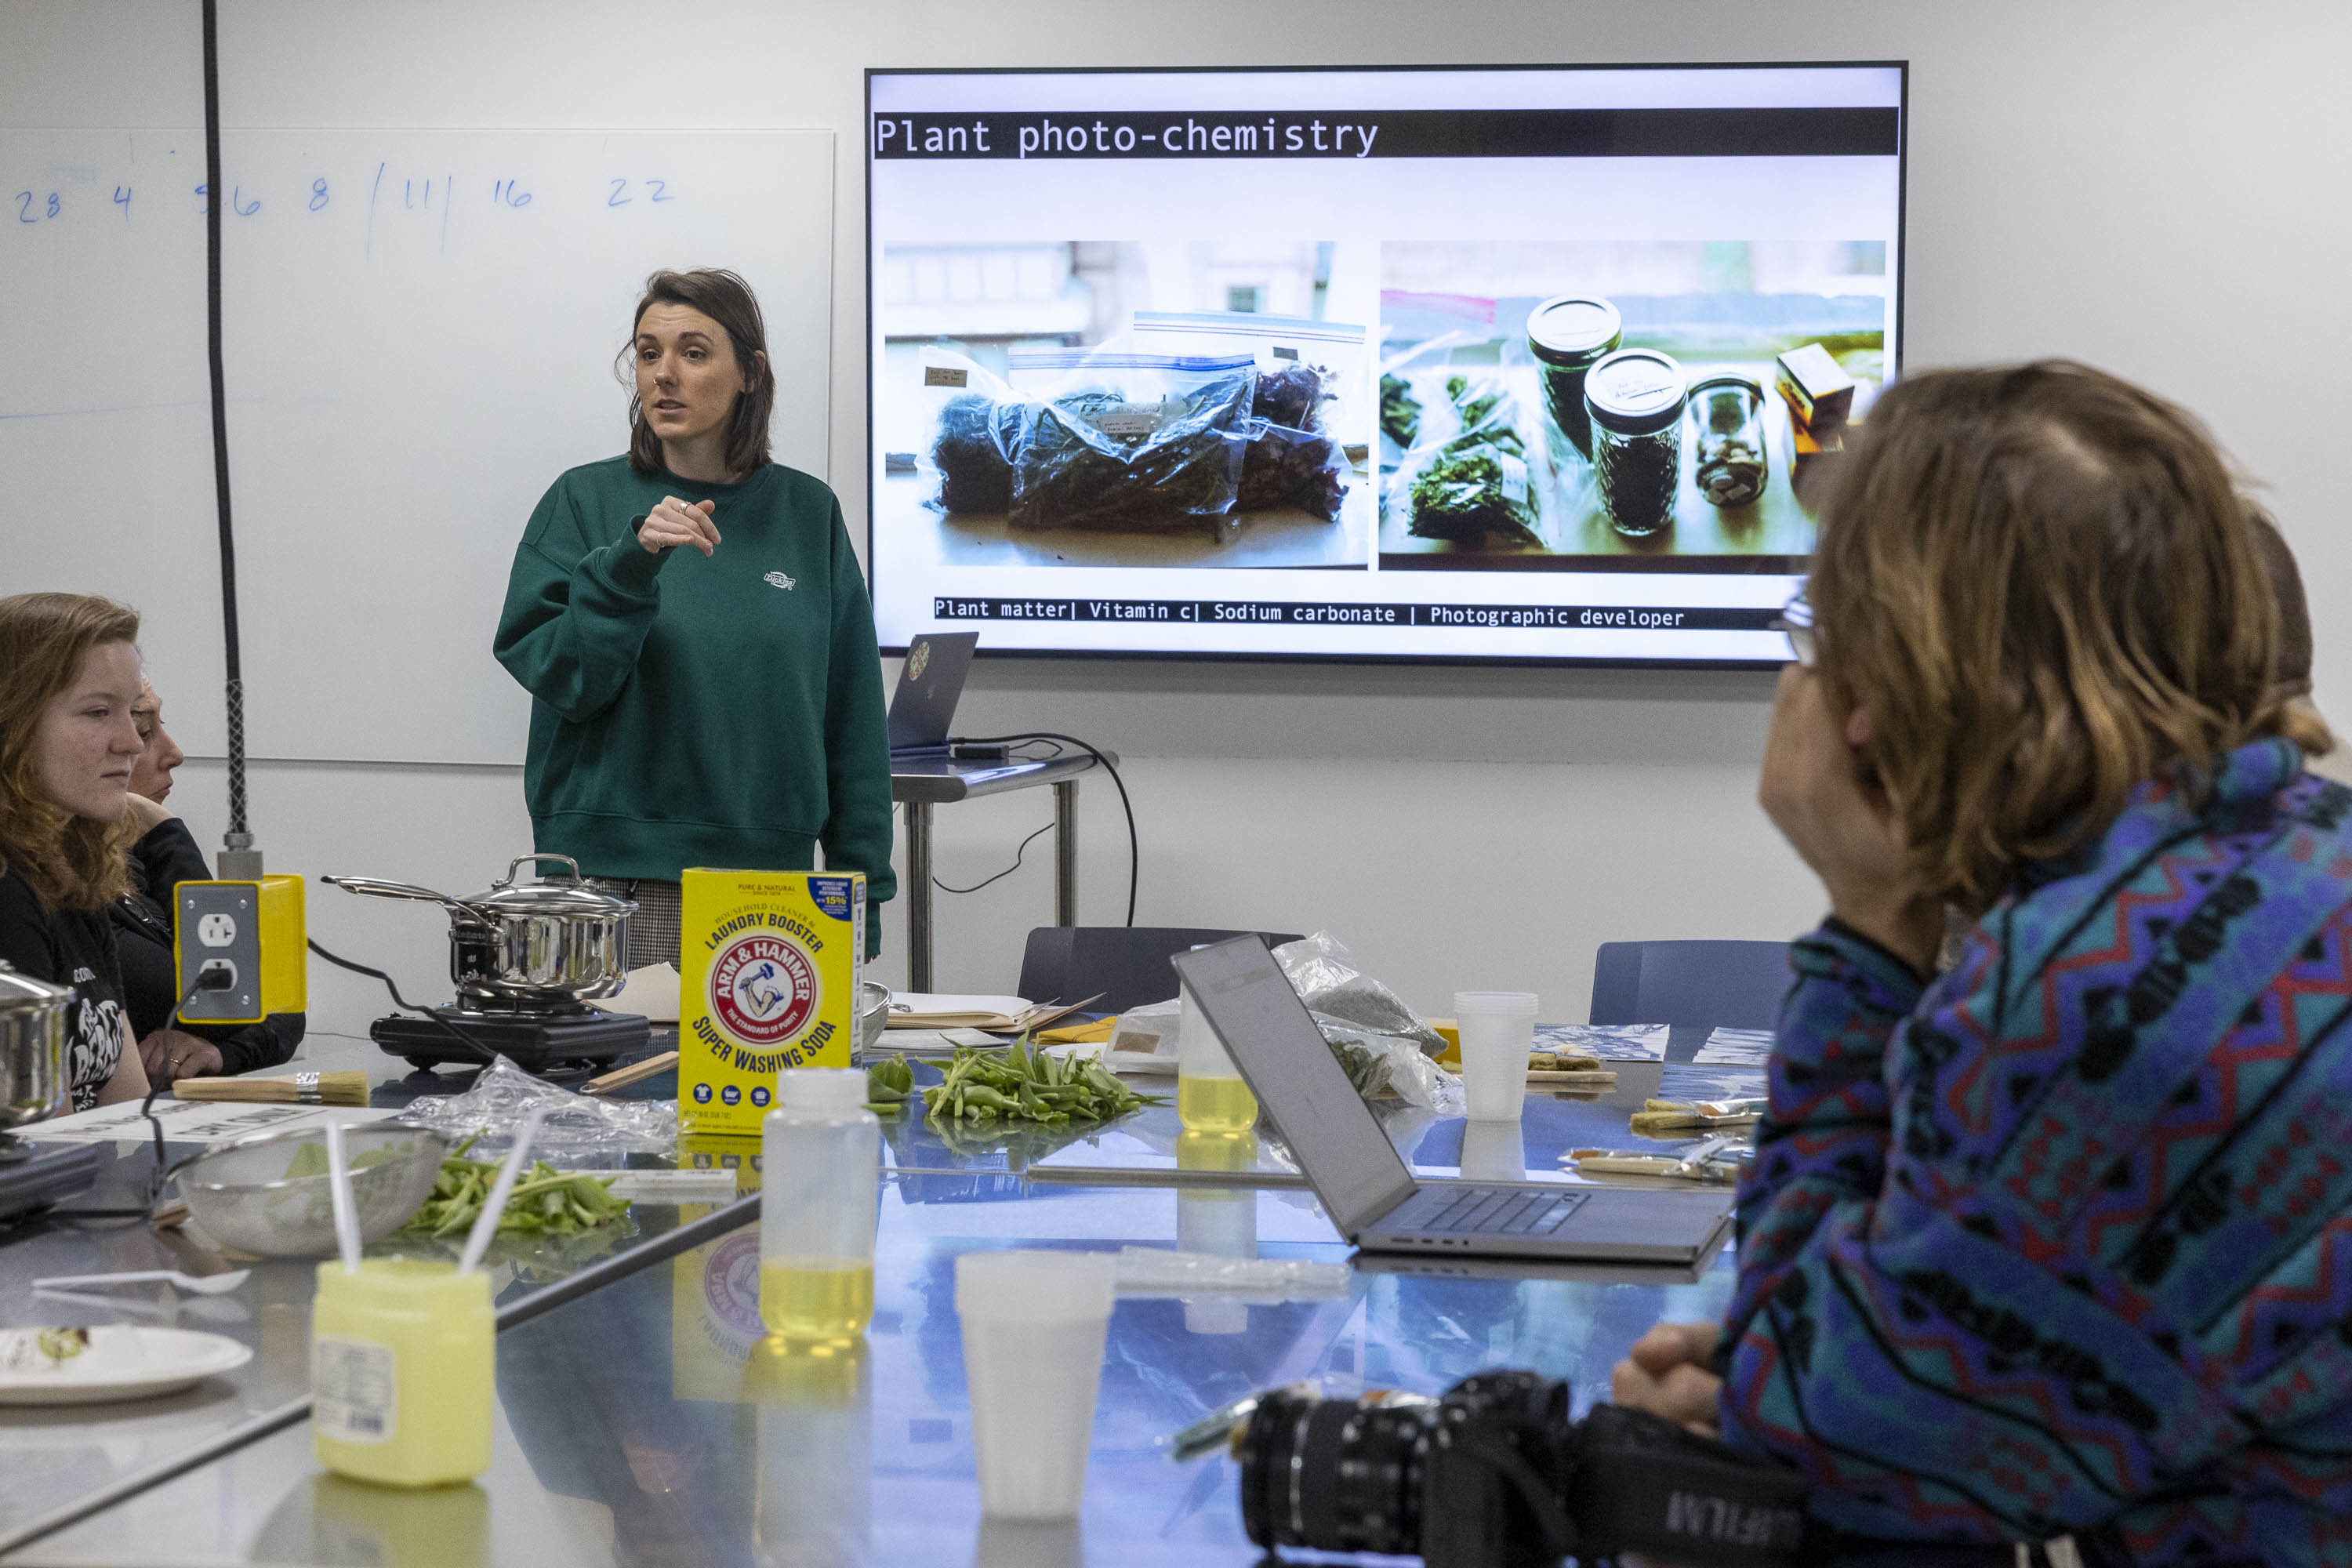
(821, 1197)
(1211, 1096)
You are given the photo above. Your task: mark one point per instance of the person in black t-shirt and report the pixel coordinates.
(165, 856)
(69, 678)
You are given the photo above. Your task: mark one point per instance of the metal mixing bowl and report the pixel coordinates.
(873, 1015)
(239, 1192)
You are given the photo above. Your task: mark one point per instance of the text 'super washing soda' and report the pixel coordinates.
(768, 979)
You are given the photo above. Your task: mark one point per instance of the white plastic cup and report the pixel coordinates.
(1492, 1152)
(1498, 1029)
(1034, 1326)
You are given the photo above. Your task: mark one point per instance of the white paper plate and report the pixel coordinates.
(124, 1361)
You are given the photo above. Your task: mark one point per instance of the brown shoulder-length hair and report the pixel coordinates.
(2046, 587)
(727, 299)
(68, 861)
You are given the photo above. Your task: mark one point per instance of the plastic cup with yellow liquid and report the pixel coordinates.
(402, 1351)
(403, 1372)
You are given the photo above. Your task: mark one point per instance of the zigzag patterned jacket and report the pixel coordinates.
(2065, 1239)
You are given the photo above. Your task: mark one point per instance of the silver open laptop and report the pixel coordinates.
(1367, 1190)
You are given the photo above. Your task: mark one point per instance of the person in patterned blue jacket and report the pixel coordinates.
(2053, 1249)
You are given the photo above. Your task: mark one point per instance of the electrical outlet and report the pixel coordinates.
(226, 921)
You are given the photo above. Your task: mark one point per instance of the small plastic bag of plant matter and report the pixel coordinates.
(1334, 350)
(1323, 973)
(1304, 402)
(1137, 442)
(975, 421)
(1472, 479)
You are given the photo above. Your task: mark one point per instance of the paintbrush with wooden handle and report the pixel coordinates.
(302, 1089)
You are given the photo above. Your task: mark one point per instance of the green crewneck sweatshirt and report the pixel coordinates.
(699, 712)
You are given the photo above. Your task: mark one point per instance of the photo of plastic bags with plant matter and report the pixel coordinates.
(1127, 404)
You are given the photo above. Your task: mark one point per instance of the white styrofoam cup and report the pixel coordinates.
(1034, 1326)
(1497, 1028)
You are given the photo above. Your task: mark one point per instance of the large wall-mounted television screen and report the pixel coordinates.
(1514, 365)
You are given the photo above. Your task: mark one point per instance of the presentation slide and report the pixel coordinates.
(1490, 365)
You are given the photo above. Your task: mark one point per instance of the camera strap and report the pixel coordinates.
(1642, 1483)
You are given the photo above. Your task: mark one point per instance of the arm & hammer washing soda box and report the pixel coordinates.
(767, 977)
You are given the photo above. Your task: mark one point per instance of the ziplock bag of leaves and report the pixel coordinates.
(1475, 484)
(975, 422)
(1147, 443)
(1305, 371)
(1386, 1047)
(577, 1127)
(1293, 461)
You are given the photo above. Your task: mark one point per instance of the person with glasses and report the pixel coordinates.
(2054, 1246)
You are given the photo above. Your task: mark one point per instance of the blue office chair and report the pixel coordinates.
(1715, 984)
(1126, 964)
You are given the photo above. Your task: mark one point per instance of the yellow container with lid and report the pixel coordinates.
(403, 1372)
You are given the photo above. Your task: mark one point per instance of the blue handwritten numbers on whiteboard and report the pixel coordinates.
(317, 192)
(509, 194)
(242, 209)
(33, 209)
(123, 200)
(656, 191)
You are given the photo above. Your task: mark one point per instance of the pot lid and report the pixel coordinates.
(562, 896)
(22, 995)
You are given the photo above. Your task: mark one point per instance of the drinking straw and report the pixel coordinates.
(339, 1184)
(486, 1223)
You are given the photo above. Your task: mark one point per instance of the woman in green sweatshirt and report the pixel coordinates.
(691, 624)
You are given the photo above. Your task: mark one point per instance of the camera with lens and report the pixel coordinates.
(1493, 1474)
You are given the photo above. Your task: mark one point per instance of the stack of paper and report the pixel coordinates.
(944, 1010)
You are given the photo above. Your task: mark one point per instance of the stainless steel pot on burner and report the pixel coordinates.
(32, 1052)
(536, 946)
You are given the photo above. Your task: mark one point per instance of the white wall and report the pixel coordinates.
(2155, 187)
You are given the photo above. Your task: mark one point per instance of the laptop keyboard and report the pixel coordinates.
(1502, 1211)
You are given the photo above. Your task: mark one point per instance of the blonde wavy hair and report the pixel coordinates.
(68, 861)
(2046, 586)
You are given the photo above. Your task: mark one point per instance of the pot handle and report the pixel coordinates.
(520, 861)
(378, 889)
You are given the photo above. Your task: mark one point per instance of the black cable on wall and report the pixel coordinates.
(239, 838)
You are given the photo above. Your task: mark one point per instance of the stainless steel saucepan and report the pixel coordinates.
(547, 943)
(33, 1085)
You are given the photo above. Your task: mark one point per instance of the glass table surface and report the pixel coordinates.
(947, 1191)
(651, 1424)
(53, 1457)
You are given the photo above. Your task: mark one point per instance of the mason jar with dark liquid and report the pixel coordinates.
(1726, 420)
(1567, 335)
(1634, 399)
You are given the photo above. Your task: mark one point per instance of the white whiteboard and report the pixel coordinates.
(420, 334)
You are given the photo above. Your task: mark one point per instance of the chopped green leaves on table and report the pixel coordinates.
(1018, 1083)
(888, 1086)
(545, 1200)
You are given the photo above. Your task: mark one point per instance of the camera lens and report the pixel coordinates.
(1333, 1475)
